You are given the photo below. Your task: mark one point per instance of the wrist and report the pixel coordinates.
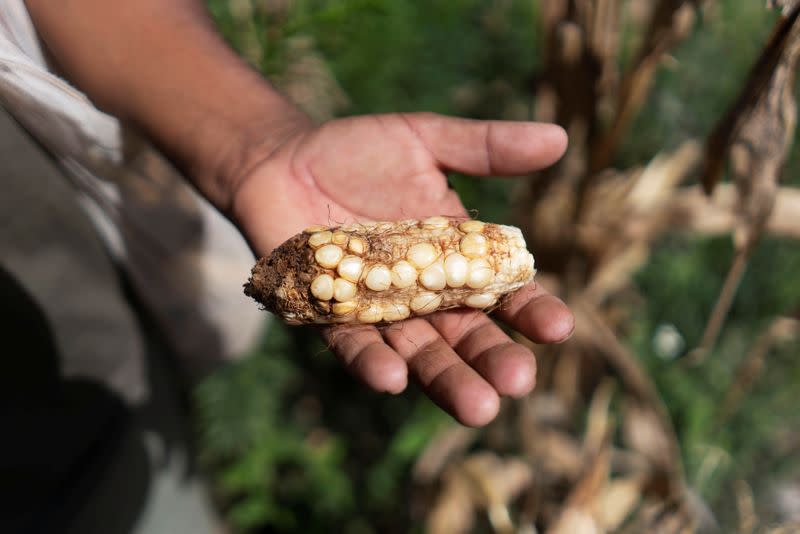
(268, 203)
(222, 159)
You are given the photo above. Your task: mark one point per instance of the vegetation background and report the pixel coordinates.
(294, 444)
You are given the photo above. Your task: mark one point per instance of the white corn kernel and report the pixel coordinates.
(471, 226)
(357, 246)
(481, 300)
(474, 245)
(433, 277)
(340, 238)
(426, 302)
(371, 314)
(421, 255)
(328, 256)
(435, 222)
(344, 290)
(379, 278)
(318, 239)
(343, 308)
(350, 268)
(315, 228)
(395, 312)
(403, 274)
(456, 269)
(481, 274)
(521, 259)
(322, 287)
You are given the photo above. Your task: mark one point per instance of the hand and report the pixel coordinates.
(204, 107)
(388, 167)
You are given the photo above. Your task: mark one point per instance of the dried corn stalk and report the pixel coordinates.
(389, 271)
(758, 131)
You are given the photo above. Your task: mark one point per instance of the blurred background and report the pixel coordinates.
(674, 407)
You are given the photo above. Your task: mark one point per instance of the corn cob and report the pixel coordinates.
(388, 271)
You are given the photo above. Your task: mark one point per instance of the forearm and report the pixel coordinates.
(163, 67)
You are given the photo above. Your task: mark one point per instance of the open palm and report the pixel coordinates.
(388, 167)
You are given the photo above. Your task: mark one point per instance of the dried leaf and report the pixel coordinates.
(670, 22)
(567, 377)
(575, 521)
(481, 481)
(450, 442)
(690, 210)
(453, 509)
(497, 482)
(788, 528)
(618, 500)
(746, 508)
(580, 514)
(605, 45)
(761, 141)
(761, 76)
(760, 151)
(557, 455)
(614, 274)
(599, 426)
(643, 431)
(657, 517)
(623, 215)
(661, 176)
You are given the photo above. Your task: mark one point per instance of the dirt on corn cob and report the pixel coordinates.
(389, 271)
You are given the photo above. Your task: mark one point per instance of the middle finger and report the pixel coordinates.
(442, 374)
(508, 366)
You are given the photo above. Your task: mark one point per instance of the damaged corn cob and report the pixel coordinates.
(389, 271)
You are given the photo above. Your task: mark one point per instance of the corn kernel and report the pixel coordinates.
(328, 256)
(318, 239)
(433, 277)
(456, 269)
(471, 226)
(379, 278)
(357, 246)
(422, 254)
(350, 268)
(371, 314)
(340, 238)
(473, 245)
(403, 274)
(426, 302)
(322, 287)
(344, 290)
(343, 308)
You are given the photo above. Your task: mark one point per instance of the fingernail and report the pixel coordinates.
(568, 336)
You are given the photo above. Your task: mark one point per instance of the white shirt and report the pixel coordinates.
(185, 260)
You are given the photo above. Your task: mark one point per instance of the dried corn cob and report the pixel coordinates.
(389, 271)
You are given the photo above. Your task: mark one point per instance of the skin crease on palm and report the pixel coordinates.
(388, 167)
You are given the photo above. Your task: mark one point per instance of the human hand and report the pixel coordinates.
(388, 167)
(205, 108)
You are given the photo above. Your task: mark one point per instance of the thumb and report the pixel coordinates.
(488, 147)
